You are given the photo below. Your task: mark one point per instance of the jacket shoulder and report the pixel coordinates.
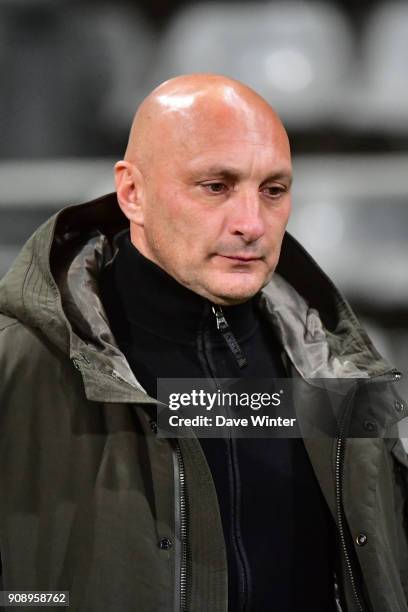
(25, 350)
(36, 378)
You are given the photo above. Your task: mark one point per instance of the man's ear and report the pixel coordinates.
(130, 192)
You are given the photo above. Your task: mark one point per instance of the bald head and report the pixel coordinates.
(175, 111)
(205, 184)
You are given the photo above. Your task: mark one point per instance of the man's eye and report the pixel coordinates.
(274, 191)
(215, 187)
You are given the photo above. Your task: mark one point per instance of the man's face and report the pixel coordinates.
(216, 204)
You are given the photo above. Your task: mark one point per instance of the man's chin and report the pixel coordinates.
(234, 295)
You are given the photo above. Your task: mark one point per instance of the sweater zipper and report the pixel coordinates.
(222, 325)
(183, 528)
(225, 330)
(340, 449)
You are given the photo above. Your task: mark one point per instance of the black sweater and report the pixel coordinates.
(278, 531)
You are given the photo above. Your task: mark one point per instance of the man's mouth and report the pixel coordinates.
(241, 258)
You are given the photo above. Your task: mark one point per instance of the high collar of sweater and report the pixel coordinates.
(155, 301)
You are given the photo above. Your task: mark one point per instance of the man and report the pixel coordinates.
(179, 281)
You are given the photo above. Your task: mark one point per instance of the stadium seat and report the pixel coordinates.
(379, 93)
(296, 54)
(71, 77)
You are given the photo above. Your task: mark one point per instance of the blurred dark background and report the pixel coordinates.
(73, 72)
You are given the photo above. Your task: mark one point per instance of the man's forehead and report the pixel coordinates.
(231, 150)
(207, 131)
(229, 143)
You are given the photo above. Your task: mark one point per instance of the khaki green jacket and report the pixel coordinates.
(92, 501)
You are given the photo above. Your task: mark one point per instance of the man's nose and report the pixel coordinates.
(246, 220)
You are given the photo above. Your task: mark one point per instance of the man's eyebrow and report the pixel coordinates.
(232, 173)
(280, 175)
(219, 170)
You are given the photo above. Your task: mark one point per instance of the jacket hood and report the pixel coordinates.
(53, 287)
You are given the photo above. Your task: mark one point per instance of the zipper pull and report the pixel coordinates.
(224, 328)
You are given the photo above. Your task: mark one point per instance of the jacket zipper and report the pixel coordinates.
(183, 529)
(341, 443)
(339, 464)
(225, 330)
